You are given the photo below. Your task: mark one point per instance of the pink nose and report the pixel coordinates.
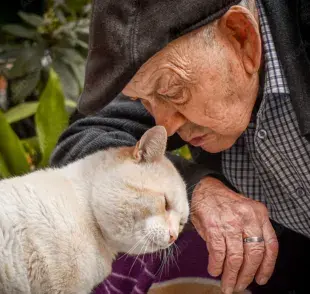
(173, 237)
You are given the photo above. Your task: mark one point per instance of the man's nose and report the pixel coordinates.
(170, 118)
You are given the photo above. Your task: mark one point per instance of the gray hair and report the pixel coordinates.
(208, 32)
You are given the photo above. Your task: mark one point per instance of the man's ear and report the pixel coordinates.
(152, 145)
(242, 29)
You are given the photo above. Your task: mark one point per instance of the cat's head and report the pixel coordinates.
(140, 200)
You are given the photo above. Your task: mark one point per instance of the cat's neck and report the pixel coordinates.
(83, 174)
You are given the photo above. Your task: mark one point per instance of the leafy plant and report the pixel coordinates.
(59, 39)
(51, 118)
(42, 60)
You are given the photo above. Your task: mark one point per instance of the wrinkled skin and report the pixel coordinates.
(231, 218)
(206, 93)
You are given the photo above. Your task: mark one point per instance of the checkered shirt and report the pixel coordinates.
(270, 162)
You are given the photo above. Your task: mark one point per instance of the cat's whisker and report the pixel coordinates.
(144, 238)
(152, 242)
(176, 249)
(175, 258)
(192, 186)
(160, 257)
(167, 260)
(162, 267)
(145, 246)
(133, 247)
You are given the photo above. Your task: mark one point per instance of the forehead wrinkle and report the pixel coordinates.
(180, 64)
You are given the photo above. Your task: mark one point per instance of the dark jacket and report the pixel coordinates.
(123, 121)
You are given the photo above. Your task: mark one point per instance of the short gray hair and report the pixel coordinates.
(249, 4)
(208, 32)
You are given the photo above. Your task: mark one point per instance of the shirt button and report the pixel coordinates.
(300, 192)
(262, 134)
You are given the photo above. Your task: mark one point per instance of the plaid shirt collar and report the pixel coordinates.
(275, 80)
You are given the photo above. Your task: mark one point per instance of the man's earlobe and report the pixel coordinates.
(242, 29)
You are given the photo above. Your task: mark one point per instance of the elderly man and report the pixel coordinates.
(231, 79)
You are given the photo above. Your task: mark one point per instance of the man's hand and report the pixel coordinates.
(224, 218)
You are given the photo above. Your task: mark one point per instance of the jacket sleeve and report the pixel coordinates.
(121, 123)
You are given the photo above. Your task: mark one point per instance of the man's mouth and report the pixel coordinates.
(198, 141)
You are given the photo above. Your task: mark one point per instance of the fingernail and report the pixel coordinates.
(241, 288)
(228, 290)
(262, 281)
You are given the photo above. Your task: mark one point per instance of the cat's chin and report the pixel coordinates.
(150, 248)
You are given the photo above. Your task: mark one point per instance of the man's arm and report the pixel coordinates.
(121, 123)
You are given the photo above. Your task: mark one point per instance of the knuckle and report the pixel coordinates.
(247, 278)
(217, 246)
(218, 256)
(234, 261)
(262, 207)
(244, 208)
(246, 211)
(256, 254)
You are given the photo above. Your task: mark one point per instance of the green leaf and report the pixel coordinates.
(29, 60)
(68, 55)
(21, 88)
(31, 18)
(69, 83)
(51, 117)
(60, 15)
(70, 103)
(79, 73)
(21, 111)
(11, 149)
(82, 44)
(20, 31)
(184, 152)
(75, 65)
(33, 150)
(76, 5)
(33, 142)
(83, 30)
(4, 170)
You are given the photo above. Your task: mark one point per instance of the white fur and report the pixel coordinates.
(60, 229)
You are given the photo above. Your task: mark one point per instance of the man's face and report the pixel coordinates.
(202, 92)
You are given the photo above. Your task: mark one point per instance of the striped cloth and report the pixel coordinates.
(136, 275)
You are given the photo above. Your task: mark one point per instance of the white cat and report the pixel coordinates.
(60, 229)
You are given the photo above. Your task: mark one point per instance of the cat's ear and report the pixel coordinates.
(152, 145)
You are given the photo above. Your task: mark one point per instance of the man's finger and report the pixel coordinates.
(217, 251)
(270, 256)
(253, 256)
(233, 262)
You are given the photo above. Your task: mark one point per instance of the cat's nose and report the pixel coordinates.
(173, 237)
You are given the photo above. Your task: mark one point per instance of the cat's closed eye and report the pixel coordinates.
(167, 207)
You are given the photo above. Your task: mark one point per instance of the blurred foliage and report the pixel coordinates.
(184, 152)
(59, 38)
(42, 60)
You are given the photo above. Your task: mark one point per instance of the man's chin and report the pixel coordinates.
(211, 148)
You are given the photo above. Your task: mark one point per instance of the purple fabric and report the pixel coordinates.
(136, 275)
